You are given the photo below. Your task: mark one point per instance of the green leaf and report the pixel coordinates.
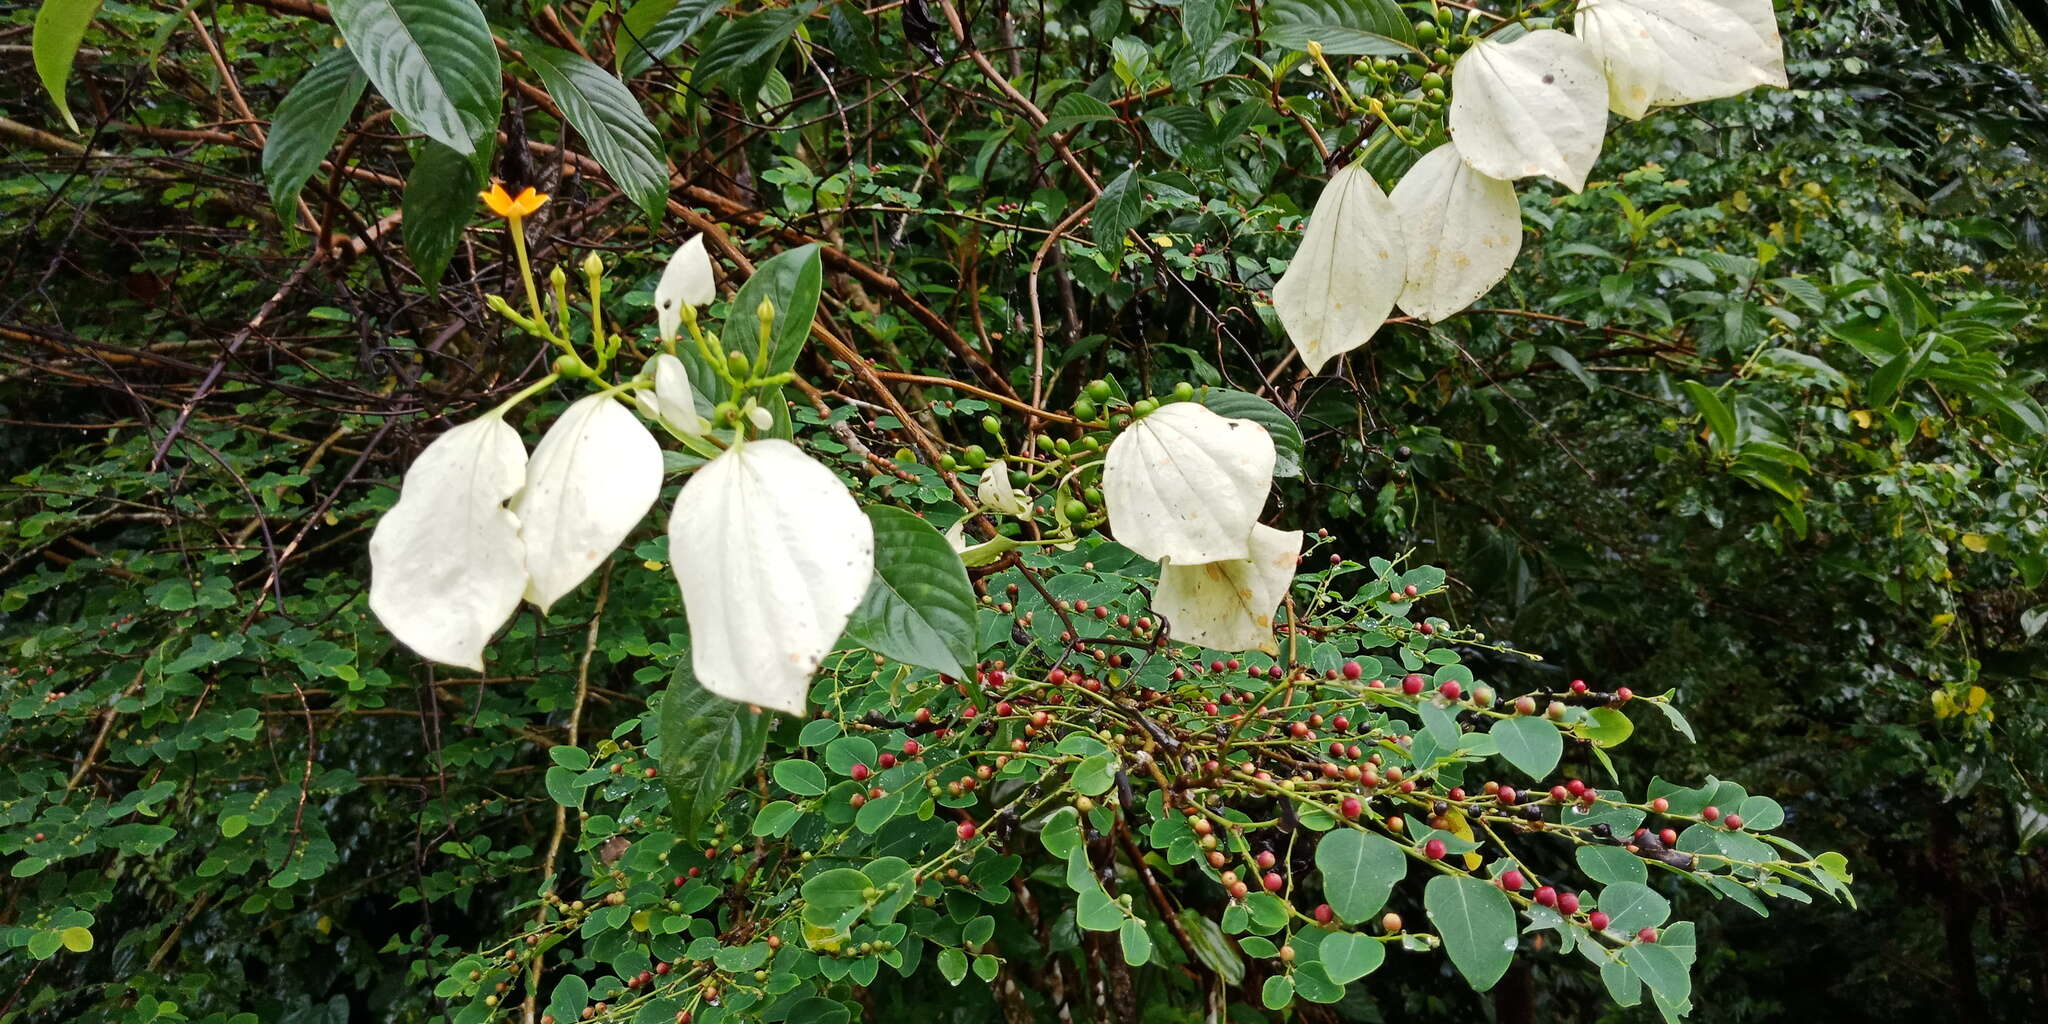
(1632, 906)
(1137, 945)
(606, 114)
(432, 60)
(1607, 727)
(307, 122)
(653, 29)
(803, 778)
(1062, 832)
(1531, 744)
(791, 280)
(745, 46)
(1570, 363)
(1611, 864)
(1287, 443)
(1760, 813)
(835, 899)
(1359, 869)
(439, 195)
(1120, 207)
(1077, 108)
(1661, 969)
(776, 818)
(1675, 717)
(570, 996)
(707, 743)
(1347, 27)
(78, 940)
(920, 608)
(1348, 956)
(1477, 924)
(1095, 911)
(1719, 419)
(564, 786)
(60, 27)
(953, 965)
(1278, 992)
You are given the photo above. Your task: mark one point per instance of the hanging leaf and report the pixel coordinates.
(1359, 870)
(773, 555)
(59, 29)
(1463, 230)
(306, 124)
(1347, 272)
(707, 744)
(1670, 52)
(1536, 105)
(592, 478)
(608, 116)
(440, 193)
(1228, 605)
(1187, 484)
(432, 60)
(1119, 209)
(653, 29)
(919, 609)
(745, 45)
(1477, 924)
(446, 563)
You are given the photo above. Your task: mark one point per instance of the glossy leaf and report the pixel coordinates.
(432, 60)
(653, 29)
(919, 609)
(707, 744)
(305, 126)
(440, 194)
(59, 29)
(608, 116)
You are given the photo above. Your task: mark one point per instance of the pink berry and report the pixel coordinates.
(1568, 902)
(1547, 896)
(1734, 822)
(1434, 849)
(1511, 880)
(1412, 685)
(1597, 921)
(965, 831)
(1352, 671)
(1647, 935)
(1451, 690)
(859, 773)
(1274, 882)
(1711, 813)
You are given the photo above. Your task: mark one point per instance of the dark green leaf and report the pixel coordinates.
(432, 60)
(791, 280)
(1120, 207)
(1346, 27)
(652, 29)
(439, 197)
(1244, 405)
(306, 124)
(920, 608)
(606, 114)
(707, 743)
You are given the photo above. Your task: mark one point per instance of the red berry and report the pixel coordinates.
(1547, 896)
(1575, 787)
(1351, 808)
(1410, 590)
(1660, 805)
(1734, 822)
(923, 715)
(1274, 882)
(681, 881)
(1265, 859)
(965, 831)
(859, 773)
(1647, 935)
(1233, 664)
(1568, 902)
(887, 760)
(1559, 794)
(1434, 849)
(1056, 676)
(1597, 921)
(1216, 666)
(1352, 671)
(1578, 686)
(911, 748)
(1622, 694)
(1323, 914)
(1711, 813)
(969, 712)
(1451, 690)
(1412, 685)
(1512, 880)
(1669, 836)
(1340, 723)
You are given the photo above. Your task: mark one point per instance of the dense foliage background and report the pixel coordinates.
(1756, 417)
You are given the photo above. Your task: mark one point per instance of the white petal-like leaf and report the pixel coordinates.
(1536, 105)
(1346, 273)
(1463, 231)
(670, 401)
(1187, 484)
(996, 493)
(1669, 52)
(773, 555)
(592, 477)
(688, 280)
(1228, 606)
(446, 563)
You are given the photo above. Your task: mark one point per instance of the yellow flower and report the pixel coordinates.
(506, 205)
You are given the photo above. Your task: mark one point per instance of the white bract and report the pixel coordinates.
(1347, 272)
(592, 477)
(1463, 230)
(1187, 484)
(446, 563)
(670, 401)
(773, 555)
(1537, 105)
(688, 280)
(1667, 52)
(1228, 605)
(997, 495)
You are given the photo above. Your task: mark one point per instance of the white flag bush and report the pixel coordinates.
(773, 555)
(1186, 484)
(1463, 230)
(1228, 605)
(592, 478)
(447, 566)
(1660, 53)
(1537, 105)
(1348, 272)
